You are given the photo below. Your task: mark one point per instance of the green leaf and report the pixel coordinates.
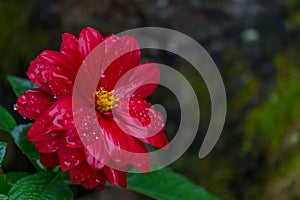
(166, 185)
(40, 186)
(7, 122)
(19, 135)
(4, 185)
(20, 85)
(13, 177)
(3, 146)
(3, 197)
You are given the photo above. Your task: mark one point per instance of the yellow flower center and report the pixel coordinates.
(106, 100)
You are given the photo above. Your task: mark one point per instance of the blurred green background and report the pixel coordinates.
(254, 43)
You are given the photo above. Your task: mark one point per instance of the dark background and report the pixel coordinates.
(255, 44)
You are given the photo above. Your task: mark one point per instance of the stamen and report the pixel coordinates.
(106, 100)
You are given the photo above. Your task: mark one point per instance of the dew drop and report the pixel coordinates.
(67, 116)
(23, 99)
(141, 114)
(67, 163)
(15, 107)
(65, 122)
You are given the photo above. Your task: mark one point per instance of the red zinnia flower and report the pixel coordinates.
(55, 132)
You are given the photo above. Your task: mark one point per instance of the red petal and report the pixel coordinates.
(69, 42)
(94, 163)
(96, 180)
(74, 59)
(115, 177)
(80, 172)
(57, 118)
(89, 38)
(158, 140)
(53, 58)
(54, 79)
(46, 136)
(101, 185)
(141, 120)
(68, 158)
(72, 139)
(89, 73)
(50, 142)
(119, 64)
(141, 161)
(33, 102)
(129, 145)
(49, 159)
(141, 83)
(139, 77)
(117, 143)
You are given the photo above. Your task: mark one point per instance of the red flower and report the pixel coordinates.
(55, 133)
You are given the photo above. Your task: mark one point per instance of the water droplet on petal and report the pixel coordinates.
(67, 116)
(15, 107)
(65, 122)
(23, 99)
(139, 101)
(67, 163)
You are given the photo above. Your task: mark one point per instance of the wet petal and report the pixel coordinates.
(124, 149)
(81, 172)
(51, 57)
(69, 158)
(72, 139)
(118, 65)
(74, 59)
(140, 120)
(94, 163)
(33, 102)
(49, 142)
(117, 143)
(141, 160)
(89, 38)
(158, 140)
(54, 79)
(97, 179)
(141, 83)
(57, 118)
(49, 159)
(115, 177)
(96, 154)
(69, 42)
